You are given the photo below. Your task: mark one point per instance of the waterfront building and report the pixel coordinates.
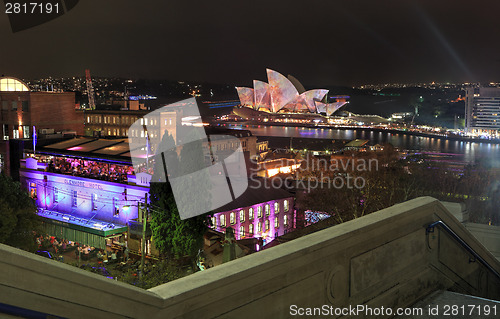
(282, 94)
(482, 111)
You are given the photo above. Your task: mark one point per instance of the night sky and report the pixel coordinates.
(320, 42)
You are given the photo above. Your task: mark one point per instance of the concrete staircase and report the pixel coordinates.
(447, 304)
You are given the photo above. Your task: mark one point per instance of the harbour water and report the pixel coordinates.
(453, 150)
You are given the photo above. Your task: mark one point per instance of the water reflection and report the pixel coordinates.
(467, 151)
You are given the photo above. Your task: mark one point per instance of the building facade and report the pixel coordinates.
(262, 211)
(482, 111)
(22, 110)
(83, 192)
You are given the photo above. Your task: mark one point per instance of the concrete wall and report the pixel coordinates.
(488, 235)
(383, 259)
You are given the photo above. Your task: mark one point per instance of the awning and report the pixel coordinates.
(80, 234)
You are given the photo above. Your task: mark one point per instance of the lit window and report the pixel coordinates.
(276, 222)
(26, 131)
(285, 220)
(56, 195)
(33, 190)
(276, 207)
(232, 218)
(214, 222)
(267, 225)
(242, 215)
(222, 219)
(242, 231)
(15, 133)
(250, 229)
(259, 227)
(250, 213)
(268, 209)
(259, 211)
(116, 208)
(94, 201)
(75, 198)
(285, 204)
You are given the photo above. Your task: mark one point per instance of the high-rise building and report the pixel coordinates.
(482, 111)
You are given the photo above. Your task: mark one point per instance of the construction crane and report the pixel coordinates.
(90, 90)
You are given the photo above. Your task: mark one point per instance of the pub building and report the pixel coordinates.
(85, 189)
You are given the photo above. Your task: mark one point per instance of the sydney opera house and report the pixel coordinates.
(285, 95)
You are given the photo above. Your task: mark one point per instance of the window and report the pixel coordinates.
(267, 225)
(6, 131)
(75, 198)
(250, 229)
(285, 220)
(14, 105)
(25, 106)
(242, 215)
(285, 204)
(26, 131)
(33, 190)
(15, 133)
(259, 227)
(232, 218)
(242, 231)
(94, 201)
(268, 209)
(250, 213)
(214, 222)
(276, 207)
(56, 195)
(222, 219)
(259, 211)
(116, 208)
(5, 105)
(276, 222)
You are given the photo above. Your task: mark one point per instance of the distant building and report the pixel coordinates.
(22, 109)
(356, 145)
(482, 111)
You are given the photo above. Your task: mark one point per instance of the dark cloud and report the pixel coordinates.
(320, 42)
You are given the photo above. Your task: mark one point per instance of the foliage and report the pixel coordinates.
(18, 220)
(171, 235)
(397, 181)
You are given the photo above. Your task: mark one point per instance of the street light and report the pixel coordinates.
(144, 221)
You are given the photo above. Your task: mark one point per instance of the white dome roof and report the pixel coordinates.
(12, 85)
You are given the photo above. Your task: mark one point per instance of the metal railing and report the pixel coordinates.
(430, 229)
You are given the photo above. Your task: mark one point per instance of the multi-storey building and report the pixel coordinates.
(262, 211)
(22, 110)
(482, 111)
(86, 189)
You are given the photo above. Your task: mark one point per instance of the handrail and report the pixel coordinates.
(430, 229)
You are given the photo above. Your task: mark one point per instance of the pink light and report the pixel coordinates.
(75, 148)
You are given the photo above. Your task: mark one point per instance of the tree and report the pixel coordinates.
(18, 218)
(172, 236)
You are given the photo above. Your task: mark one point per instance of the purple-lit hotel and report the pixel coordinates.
(85, 188)
(262, 211)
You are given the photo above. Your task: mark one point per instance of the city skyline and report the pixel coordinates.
(334, 43)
